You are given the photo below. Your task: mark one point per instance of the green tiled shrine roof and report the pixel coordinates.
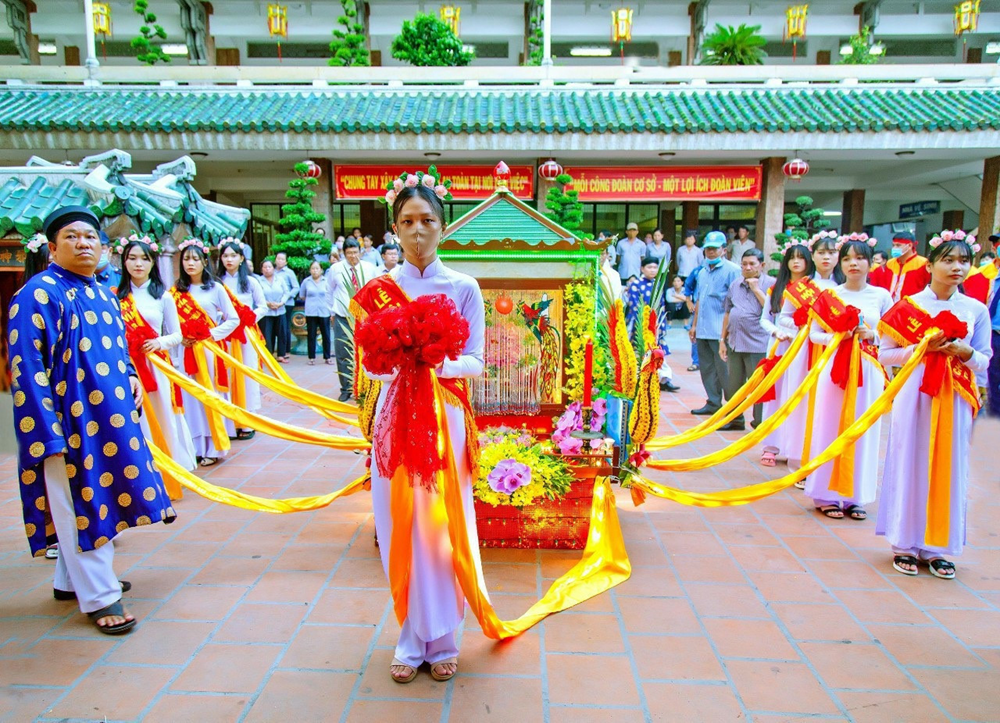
(504, 219)
(739, 110)
(29, 194)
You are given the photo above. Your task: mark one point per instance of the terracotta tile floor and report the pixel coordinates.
(765, 612)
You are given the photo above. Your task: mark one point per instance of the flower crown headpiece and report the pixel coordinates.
(430, 178)
(244, 248)
(119, 247)
(819, 236)
(863, 237)
(956, 235)
(192, 241)
(34, 243)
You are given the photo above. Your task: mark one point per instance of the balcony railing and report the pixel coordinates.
(500, 76)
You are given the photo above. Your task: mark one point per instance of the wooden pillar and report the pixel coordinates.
(989, 203)
(771, 209)
(323, 202)
(852, 220)
(689, 216)
(953, 219)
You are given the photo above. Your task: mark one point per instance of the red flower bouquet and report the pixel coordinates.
(413, 338)
(198, 330)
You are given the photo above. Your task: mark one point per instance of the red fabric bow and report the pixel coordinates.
(638, 458)
(767, 364)
(247, 319)
(136, 336)
(845, 323)
(938, 364)
(801, 316)
(198, 330)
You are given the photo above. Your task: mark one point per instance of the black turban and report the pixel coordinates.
(63, 217)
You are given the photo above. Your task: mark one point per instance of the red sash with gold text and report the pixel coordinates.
(196, 324)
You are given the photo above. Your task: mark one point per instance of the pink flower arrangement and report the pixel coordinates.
(191, 241)
(134, 238)
(411, 180)
(397, 185)
(36, 242)
(390, 196)
(572, 420)
(440, 191)
(957, 235)
(429, 180)
(509, 475)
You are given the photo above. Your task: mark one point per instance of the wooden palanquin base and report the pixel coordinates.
(561, 524)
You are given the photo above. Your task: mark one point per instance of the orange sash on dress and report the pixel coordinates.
(241, 335)
(944, 375)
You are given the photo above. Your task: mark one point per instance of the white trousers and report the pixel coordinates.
(412, 651)
(91, 575)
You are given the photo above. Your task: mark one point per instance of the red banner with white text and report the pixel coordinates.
(468, 183)
(677, 183)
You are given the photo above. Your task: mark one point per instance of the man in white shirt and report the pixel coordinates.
(741, 244)
(390, 257)
(345, 278)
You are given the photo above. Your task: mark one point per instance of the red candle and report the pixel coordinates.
(588, 372)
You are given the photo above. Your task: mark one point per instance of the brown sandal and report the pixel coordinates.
(441, 677)
(832, 511)
(405, 679)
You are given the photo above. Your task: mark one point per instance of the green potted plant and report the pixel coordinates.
(734, 46)
(427, 41)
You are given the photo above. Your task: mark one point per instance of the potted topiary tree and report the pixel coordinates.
(427, 41)
(800, 226)
(348, 48)
(734, 46)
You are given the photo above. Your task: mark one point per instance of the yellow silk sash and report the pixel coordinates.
(769, 425)
(173, 471)
(243, 418)
(842, 472)
(752, 493)
(292, 391)
(220, 437)
(749, 393)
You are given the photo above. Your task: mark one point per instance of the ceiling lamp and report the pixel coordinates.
(795, 169)
(550, 170)
(590, 52)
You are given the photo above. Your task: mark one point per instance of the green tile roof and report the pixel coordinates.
(503, 217)
(634, 110)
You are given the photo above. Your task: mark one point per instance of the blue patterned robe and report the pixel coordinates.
(72, 395)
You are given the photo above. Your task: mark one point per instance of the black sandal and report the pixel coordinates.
(832, 511)
(245, 433)
(899, 560)
(70, 595)
(856, 512)
(114, 608)
(942, 568)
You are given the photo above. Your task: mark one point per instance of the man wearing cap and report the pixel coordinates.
(906, 272)
(85, 471)
(630, 254)
(713, 283)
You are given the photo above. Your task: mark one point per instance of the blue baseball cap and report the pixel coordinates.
(715, 240)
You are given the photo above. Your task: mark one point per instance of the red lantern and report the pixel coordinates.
(795, 169)
(549, 170)
(313, 170)
(501, 174)
(504, 304)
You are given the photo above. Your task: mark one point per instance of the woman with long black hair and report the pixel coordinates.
(152, 327)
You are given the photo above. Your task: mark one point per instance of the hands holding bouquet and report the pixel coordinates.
(413, 338)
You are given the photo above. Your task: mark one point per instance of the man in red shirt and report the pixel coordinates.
(980, 279)
(906, 271)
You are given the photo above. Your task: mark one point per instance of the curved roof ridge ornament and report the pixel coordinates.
(116, 160)
(183, 169)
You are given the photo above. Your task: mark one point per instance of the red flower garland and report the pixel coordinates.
(198, 330)
(413, 339)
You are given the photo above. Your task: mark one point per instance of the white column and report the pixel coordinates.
(547, 32)
(88, 12)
